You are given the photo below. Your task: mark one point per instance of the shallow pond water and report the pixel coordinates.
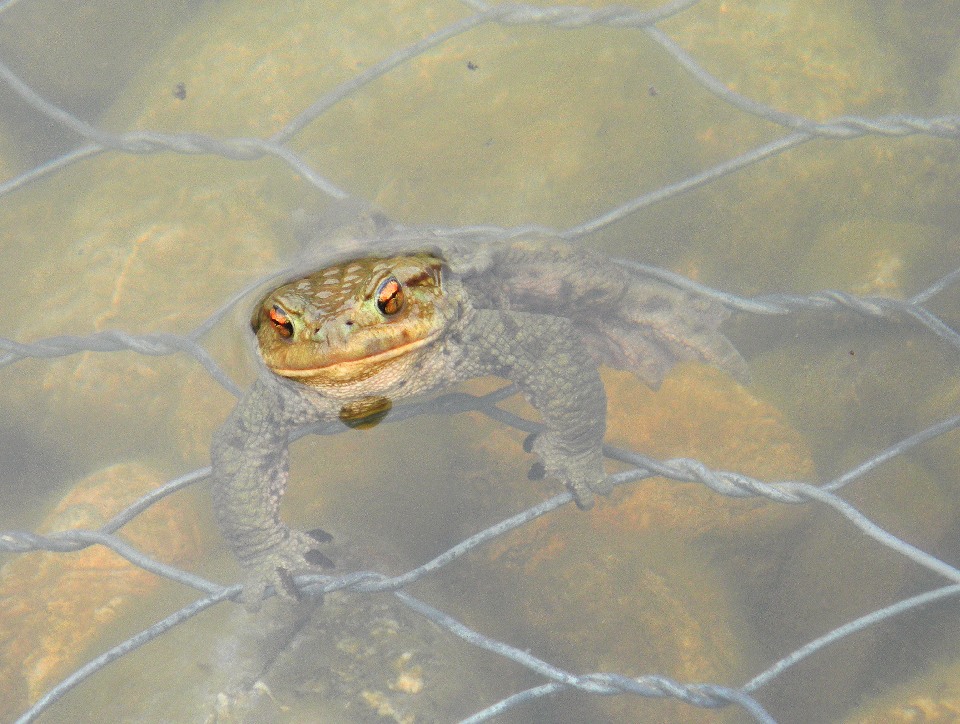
(502, 124)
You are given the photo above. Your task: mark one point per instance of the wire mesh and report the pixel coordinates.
(912, 313)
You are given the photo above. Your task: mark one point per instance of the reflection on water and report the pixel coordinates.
(506, 125)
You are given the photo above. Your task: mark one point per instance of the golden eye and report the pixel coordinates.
(390, 296)
(281, 322)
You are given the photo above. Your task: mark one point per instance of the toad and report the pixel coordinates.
(348, 340)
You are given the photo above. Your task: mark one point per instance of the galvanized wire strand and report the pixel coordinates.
(878, 308)
(841, 127)
(372, 582)
(367, 581)
(154, 496)
(871, 619)
(251, 148)
(844, 127)
(690, 183)
(935, 430)
(872, 530)
(48, 167)
(506, 14)
(150, 142)
(733, 484)
(742, 695)
(54, 112)
(938, 286)
(512, 702)
(711, 695)
(348, 88)
(727, 483)
(739, 485)
(162, 343)
(773, 304)
(219, 314)
(157, 344)
(74, 540)
(884, 125)
(574, 16)
(142, 142)
(131, 644)
(679, 469)
(701, 695)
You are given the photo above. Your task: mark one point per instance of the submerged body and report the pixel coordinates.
(349, 339)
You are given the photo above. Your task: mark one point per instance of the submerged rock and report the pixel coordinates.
(653, 580)
(54, 606)
(819, 60)
(932, 698)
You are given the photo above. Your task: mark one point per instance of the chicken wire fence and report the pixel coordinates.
(910, 312)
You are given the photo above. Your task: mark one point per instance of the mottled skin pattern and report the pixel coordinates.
(541, 314)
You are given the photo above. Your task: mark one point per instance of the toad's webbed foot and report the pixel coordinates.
(582, 473)
(297, 552)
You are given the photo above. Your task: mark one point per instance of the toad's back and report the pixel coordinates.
(625, 319)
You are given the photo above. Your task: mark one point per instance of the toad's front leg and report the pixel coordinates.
(546, 359)
(250, 470)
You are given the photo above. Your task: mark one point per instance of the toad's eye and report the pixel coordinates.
(390, 296)
(281, 322)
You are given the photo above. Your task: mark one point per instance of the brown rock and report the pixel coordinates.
(700, 413)
(644, 583)
(933, 698)
(53, 606)
(819, 60)
(925, 33)
(833, 575)
(597, 601)
(875, 257)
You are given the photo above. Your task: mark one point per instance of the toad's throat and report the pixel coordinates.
(344, 367)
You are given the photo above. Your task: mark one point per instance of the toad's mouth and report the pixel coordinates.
(344, 366)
